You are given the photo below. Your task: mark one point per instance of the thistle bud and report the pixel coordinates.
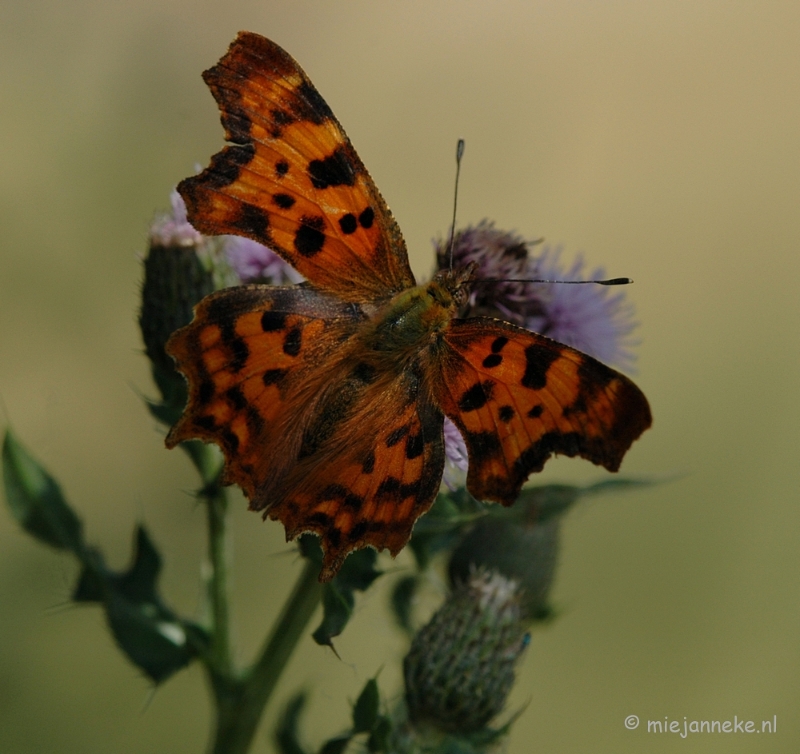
(523, 551)
(177, 274)
(460, 667)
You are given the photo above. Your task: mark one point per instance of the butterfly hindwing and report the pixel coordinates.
(371, 481)
(243, 354)
(292, 181)
(518, 398)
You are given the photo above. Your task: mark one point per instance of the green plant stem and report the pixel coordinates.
(218, 553)
(241, 701)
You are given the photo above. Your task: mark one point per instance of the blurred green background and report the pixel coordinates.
(661, 138)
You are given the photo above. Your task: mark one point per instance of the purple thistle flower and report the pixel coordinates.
(594, 319)
(455, 456)
(500, 255)
(172, 228)
(255, 263)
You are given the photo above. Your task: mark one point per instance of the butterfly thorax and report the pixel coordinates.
(413, 318)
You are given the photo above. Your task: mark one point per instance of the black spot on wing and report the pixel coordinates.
(538, 359)
(477, 396)
(333, 536)
(280, 119)
(230, 440)
(348, 223)
(334, 170)
(594, 375)
(284, 201)
(499, 343)
(253, 221)
(366, 218)
(309, 238)
(309, 105)
(396, 435)
(536, 411)
(292, 342)
(225, 166)
(273, 376)
(393, 490)
(273, 321)
(506, 413)
(255, 421)
(338, 492)
(206, 422)
(281, 168)
(320, 519)
(358, 531)
(239, 352)
(492, 360)
(206, 391)
(577, 407)
(534, 456)
(483, 444)
(236, 398)
(415, 445)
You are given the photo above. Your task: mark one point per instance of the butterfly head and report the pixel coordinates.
(453, 285)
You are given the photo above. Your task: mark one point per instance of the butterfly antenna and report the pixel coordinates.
(459, 155)
(611, 281)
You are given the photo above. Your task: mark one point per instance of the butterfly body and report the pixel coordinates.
(328, 399)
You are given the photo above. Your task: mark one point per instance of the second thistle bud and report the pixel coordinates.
(177, 274)
(460, 668)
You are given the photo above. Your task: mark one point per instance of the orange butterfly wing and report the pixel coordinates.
(518, 397)
(292, 181)
(370, 481)
(315, 436)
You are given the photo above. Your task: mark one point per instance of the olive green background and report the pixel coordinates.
(661, 138)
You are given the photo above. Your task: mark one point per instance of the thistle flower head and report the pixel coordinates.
(460, 668)
(255, 263)
(501, 255)
(172, 228)
(455, 456)
(594, 319)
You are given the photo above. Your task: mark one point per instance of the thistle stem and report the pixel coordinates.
(219, 556)
(241, 701)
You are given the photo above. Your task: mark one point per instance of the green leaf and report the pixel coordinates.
(151, 634)
(337, 607)
(36, 500)
(338, 598)
(379, 736)
(153, 637)
(365, 710)
(286, 737)
(335, 745)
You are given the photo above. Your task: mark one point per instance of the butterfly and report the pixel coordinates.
(328, 398)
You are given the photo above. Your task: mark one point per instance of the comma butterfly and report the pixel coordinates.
(328, 398)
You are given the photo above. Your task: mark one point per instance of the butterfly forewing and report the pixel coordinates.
(291, 179)
(518, 398)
